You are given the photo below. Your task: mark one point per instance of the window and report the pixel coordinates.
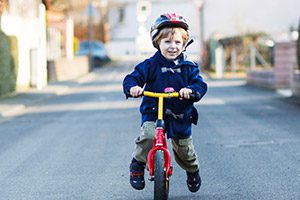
(121, 14)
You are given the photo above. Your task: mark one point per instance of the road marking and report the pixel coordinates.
(106, 105)
(210, 101)
(255, 143)
(285, 92)
(228, 83)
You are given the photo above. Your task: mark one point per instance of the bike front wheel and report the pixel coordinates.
(161, 182)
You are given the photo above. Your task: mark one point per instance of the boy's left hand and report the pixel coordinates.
(185, 93)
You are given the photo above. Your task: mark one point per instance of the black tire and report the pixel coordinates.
(161, 183)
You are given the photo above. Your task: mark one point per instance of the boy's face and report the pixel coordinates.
(171, 46)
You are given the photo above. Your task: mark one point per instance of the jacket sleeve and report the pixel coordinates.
(196, 84)
(136, 78)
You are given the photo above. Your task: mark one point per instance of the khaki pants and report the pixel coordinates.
(183, 149)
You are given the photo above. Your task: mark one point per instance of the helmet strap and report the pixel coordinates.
(186, 45)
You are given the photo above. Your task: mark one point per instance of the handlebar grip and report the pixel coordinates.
(195, 96)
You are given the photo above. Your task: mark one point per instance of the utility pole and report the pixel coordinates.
(200, 5)
(143, 10)
(103, 21)
(90, 34)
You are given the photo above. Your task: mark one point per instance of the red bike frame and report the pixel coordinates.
(160, 143)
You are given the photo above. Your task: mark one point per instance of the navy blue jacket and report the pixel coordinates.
(157, 73)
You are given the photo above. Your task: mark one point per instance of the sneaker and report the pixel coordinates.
(137, 180)
(193, 181)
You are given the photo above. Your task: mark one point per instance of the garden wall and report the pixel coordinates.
(281, 76)
(64, 69)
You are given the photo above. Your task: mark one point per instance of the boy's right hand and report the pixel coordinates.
(136, 91)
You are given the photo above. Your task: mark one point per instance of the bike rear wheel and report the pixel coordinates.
(161, 183)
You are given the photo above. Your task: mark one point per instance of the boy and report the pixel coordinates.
(168, 67)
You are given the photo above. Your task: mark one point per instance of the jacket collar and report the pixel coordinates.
(182, 60)
(163, 61)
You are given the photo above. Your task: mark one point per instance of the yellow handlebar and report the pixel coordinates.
(160, 97)
(164, 95)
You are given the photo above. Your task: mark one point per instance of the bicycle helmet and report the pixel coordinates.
(167, 20)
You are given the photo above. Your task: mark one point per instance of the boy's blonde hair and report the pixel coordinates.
(165, 32)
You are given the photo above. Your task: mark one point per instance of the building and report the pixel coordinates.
(130, 23)
(26, 20)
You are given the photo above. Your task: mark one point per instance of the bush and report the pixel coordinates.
(7, 66)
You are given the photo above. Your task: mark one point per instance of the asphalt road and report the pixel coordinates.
(78, 145)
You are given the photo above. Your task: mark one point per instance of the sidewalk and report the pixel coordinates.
(15, 104)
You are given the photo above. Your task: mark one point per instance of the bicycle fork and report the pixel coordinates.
(160, 144)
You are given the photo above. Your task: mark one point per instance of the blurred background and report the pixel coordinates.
(57, 40)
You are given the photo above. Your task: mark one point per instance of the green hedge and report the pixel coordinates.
(7, 64)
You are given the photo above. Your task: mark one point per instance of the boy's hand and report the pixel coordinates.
(185, 93)
(136, 91)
